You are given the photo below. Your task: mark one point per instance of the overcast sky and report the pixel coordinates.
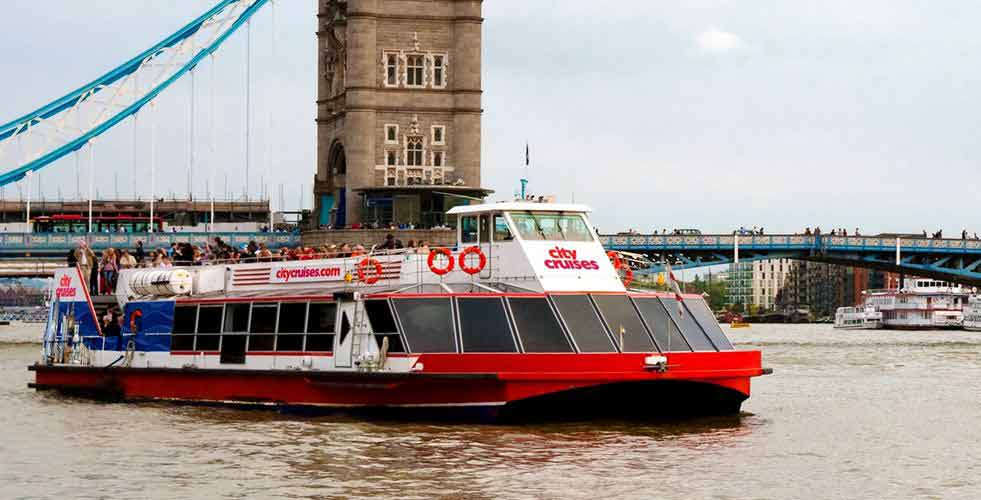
(708, 114)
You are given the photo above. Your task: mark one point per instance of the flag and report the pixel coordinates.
(527, 154)
(675, 288)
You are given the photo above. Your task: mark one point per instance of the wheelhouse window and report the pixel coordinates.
(484, 325)
(584, 325)
(624, 322)
(427, 324)
(537, 325)
(413, 70)
(501, 230)
(666, 332)
(468, 229)
(320, 326)
(383, 324)
(543, 226)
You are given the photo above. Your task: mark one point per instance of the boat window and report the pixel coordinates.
(289, 342)
(666, 332)
(207, 343)
(689, 329)
(484, 325)
(380, 316)
(537, 226)
(182, 342)
(468, 229)
(232, 349)
(322, 317)
(583, 323)
(320, 327)
(184, 319)
(209, 319)
(263, 318)
(538, 327)
(345, 327)
(236, 318)
(262, 342)
(485, 230)
(292, 317)
(705, 319)
(395, 343)
(501, 230)
(428, 324)
(621, 317)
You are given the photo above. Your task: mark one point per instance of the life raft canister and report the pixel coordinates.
(439, 271)
(481, 260)
(362, 270)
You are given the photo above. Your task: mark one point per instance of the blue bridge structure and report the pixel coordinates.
(954, 260)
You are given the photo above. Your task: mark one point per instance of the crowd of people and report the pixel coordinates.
(101, 272)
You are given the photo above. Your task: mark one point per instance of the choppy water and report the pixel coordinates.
(845, 415)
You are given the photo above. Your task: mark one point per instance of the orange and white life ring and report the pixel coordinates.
(440, 271)
(362, 270)
(614, 259)
(481, 260)
(618, 264)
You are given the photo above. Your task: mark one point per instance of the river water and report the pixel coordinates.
(873, 415)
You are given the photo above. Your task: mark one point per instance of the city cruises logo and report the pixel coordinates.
(305, 274)
(65, 288)
(564, 258)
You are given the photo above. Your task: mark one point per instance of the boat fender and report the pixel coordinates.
(362, 270)
(440, 271)
(481, 263)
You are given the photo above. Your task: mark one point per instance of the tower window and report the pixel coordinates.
(391, 70)
(439, 66)
(390, 158)
(414, 153)
(391, 134)
(413, 71)
(439, 134)
(438, 159)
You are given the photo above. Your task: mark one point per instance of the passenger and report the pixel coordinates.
(411, 246)
(358, 251)
(139, 254)
(263, 254)
(423, 248)
(126, 261)
(85, 258)
(345, 250)
(389, 243)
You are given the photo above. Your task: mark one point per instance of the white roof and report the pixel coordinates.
(520, 206)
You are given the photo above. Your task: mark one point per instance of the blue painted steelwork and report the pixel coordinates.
(952, 260)
(21, 125)
(59, 243)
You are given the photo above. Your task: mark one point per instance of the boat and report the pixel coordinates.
(921, 304)
(972, 314)
(866, 317)
(526, 316)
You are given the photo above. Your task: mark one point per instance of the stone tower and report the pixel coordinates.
(398, 110)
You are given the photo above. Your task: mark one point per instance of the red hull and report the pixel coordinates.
(715, 382)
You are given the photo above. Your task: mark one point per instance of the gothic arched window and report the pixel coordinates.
(414, 153)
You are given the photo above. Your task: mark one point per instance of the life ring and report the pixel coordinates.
(628, 276)
(133, 316)
(362, 273)
(439, 271)
(618, 264)
(614, 259)
(480, 264)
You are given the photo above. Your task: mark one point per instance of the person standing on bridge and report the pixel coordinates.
(85, 258)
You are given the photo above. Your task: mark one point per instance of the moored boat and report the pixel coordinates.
(972, 314)
(921, 304)
(866, 317)
(527, 315)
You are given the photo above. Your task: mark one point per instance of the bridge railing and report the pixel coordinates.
(788, 242)
(101, 241)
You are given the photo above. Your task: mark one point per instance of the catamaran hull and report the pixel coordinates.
(697, 390)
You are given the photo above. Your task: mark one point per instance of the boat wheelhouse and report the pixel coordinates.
(526, 314)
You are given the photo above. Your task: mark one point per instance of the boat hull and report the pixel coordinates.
(696, 384)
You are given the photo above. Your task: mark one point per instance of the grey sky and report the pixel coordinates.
(708, 114)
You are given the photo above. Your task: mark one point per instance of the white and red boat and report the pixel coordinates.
(527, 315)
(922, 304)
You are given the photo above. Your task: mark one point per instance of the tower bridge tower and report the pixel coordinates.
(398, 110)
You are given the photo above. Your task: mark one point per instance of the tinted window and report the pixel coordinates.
(705, 319)
(394, 342)
(263, 318)
(209, 319)
(620, 316)
(184, 318)
(182, 342)
(208, 343)
(583, 323)
(428, 324)
(322, 317)
(289, 343)
(261, 342)
(666, 332)
(484, 326)
(538, 327)
(292, 317)
(689, 329)
(320, 343)
(236, 317)
(380, 316)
